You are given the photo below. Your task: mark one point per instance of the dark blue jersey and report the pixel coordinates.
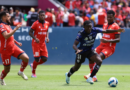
(87, 40)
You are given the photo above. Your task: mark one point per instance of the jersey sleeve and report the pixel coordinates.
(116, 28)
(34, 26)
(78, 38)
(2, 29)
(98, 30)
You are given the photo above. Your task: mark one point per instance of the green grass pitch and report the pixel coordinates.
(52, 77)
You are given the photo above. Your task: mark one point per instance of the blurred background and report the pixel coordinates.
(59, 12)
(66, 18)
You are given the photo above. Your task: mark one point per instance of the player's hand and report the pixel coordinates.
(47, 40)
(103, 40)
(78, 51)
(121, 30)
(20, 44)
(37, 40)
(18, 26)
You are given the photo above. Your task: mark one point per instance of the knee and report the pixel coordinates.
(99, 62)
(44, 59)
(26, 59)
(7, 70)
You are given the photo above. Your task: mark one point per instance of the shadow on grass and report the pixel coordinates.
(74, 85)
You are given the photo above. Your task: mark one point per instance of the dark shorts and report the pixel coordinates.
(80, 58)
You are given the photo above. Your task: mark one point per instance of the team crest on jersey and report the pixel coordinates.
(86, 39)
(46, 26)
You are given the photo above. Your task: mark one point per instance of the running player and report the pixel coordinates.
(108, 41)
(40, 29)
(8, 48)
(86, 38)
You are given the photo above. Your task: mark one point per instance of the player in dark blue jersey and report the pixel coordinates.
(86, 38)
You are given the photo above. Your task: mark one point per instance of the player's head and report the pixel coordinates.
(87, 26)
(5, 17)
(41, 15)
(110, 16)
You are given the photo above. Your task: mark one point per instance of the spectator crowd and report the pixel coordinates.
(75, 13)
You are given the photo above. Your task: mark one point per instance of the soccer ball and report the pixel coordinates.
(112, 82)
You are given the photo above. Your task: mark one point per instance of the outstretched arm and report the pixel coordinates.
(116, 40)
(7, 35)
(112, 31)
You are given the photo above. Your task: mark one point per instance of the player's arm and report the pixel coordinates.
(31, 34)
(7, 35)
(18, 43)
(116, 40)
(112, 31)
(75, 47)
(47, 37)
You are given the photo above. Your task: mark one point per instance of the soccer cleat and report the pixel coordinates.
(95, 79)
(23, 75)
(2, 82)
(87, 76)
(33, 76)
(67, 78)
(90, 80)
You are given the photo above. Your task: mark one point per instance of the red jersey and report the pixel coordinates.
(6, 44)
(101, 18)
(68, 3)
(118, 18)
(77, 3)
(49, 18)
(40, 31)
(71, 19)
(110, 36)
(85, 18)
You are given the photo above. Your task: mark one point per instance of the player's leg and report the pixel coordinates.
(36, 54)
(7, 64)
(20, 54)
(92, 64)
(96, 58)
(44, 55)
(78, 61)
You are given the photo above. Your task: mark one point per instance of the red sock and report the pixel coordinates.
(40, 62)
(91, 66)
(23, 66)
(34, 66)
(3, 74)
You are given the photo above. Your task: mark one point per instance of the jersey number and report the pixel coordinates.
(7, 61)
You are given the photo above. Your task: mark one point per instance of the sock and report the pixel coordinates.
(3, 74)
(95, 70)
(71, 72)
(23, 66)
(40, 62)
(91, 66)
(34, 66)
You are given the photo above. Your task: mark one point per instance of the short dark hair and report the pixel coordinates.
(41, 12)
(87, 22)
(111, 12)
(3, 14)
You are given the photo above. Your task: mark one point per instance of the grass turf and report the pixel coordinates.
(52, 77)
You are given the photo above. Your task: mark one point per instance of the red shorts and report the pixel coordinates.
(106, 50)
(6, 54)
(40, 51)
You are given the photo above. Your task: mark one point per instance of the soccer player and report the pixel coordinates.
(86, 38)
(40, 29)
(108, 41)
(8, 48)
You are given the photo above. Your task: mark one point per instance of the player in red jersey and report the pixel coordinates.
(40, 29)
(8, 48)
(108, 41)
